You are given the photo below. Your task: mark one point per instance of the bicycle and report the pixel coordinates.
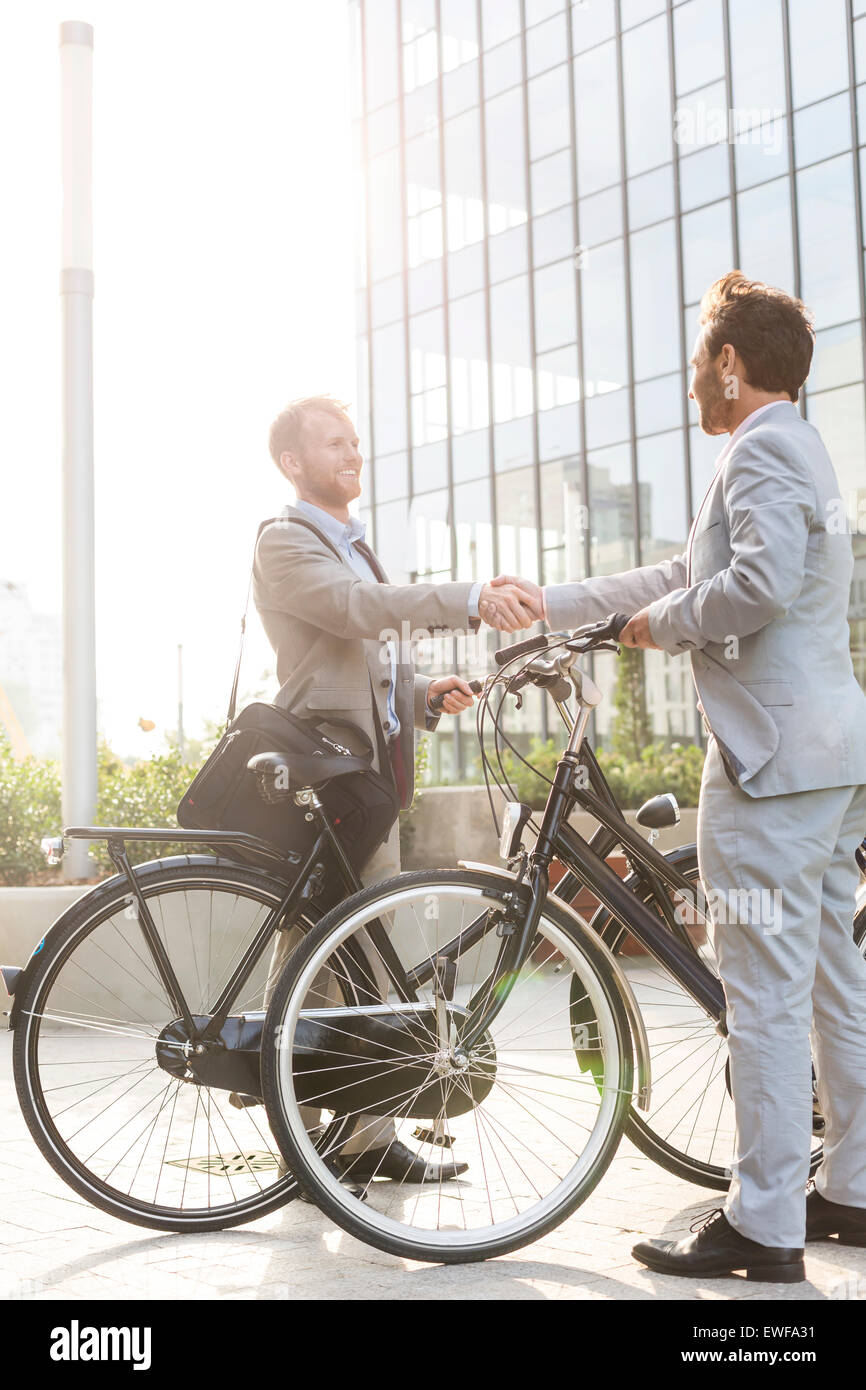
(480, 1040)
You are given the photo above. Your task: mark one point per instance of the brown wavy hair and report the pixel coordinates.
(770, 330)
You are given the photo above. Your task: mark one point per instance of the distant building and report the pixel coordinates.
(31, 664)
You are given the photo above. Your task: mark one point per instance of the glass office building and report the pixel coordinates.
(546, 191)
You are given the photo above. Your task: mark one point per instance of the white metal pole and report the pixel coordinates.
(76, 289)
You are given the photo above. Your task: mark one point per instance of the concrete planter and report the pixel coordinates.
(27, 913)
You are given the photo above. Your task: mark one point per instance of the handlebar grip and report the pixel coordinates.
(534, 644)
(617, 623)
(438, 700)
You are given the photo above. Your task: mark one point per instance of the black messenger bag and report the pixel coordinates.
(361, 804)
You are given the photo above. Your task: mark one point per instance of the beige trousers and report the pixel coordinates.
(371, 1131)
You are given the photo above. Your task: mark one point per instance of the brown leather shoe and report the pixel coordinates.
(717, 1249)
(826, 1220)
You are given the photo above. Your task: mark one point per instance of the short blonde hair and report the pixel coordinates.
(286, 431)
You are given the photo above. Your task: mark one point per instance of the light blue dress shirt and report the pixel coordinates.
(343, 537)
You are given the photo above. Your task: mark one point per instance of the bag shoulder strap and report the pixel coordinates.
(298, 521)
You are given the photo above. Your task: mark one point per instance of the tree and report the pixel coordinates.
(630, 727)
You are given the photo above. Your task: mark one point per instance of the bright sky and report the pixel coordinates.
(223, 262)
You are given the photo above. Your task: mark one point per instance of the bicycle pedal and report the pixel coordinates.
(242, 1102)
(430, 1136)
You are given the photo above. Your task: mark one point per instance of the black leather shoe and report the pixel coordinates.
(717, 1249)
(398, 1163)
(827, 1219)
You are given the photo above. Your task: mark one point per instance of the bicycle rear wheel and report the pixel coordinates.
(536, 1109)
(100, 1077)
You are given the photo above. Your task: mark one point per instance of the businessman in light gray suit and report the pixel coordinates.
(759, 602)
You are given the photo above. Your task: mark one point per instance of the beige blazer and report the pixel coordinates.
(325, 624)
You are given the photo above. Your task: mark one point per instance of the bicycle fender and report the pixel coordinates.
(638, 1027)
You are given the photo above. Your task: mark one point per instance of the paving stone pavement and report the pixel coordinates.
(56, 1246)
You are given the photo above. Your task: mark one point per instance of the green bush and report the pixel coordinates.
(29, 809)
(145, 794)
(659, 768)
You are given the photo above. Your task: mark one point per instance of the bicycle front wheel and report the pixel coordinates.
(535, 1109)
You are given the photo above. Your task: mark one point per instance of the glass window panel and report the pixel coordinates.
(828, 243)
(602, 287)
(655, 301)
(464, 204)
(553, 236)
(819, 49)
(661, 475)
(469, 367)
(386, 249)
(647, 96)
(473, 531)
(838, 358)
(704, 177)
(556, 377)
(508, 254)
(513, 444)
(659, 403)
(420, 46)
(499, 20)
(860, 50)
(389, 389)
(766, 251)
(423, 197)
(459, 25)
(650, 196)
(548, 112)
(503, 68)
(382, 57)
(465, 270)
(387, 300)
(611, 510)
(600, 217)
(551, 182)
(425, 286)
(607, 418)
(699, 43)
(592, 22)
(516, 523)
(757, 55)
(393, 540)
(421, 109)
(860, 95)
(537, 10)
(822, 130)
(558, 431)
(362, 386)
(546, 45)
(470, 455)
(460, 89)
(707, 250)
(512, 364)
(761, 152)
(859, 7)
(506, 154)
(430, 467)
(636, 11)
(564, 521)
(392, 476)
(701, 118)
(427, 351)
(838, 416)
(595, 85)
(383, 128)
(428, 527)
(555, 315)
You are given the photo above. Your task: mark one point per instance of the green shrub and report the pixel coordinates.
(29, 809)
(145, 794)
(659, 768)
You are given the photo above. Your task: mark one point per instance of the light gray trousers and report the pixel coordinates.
(780, 878)
(371, 1131)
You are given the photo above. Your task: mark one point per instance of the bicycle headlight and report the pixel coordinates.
(515, 818)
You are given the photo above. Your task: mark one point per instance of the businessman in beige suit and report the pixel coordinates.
(327, 608)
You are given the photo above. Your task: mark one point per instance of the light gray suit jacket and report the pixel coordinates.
(760, 601)
(324, 623)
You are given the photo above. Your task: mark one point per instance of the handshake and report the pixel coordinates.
(509, 603)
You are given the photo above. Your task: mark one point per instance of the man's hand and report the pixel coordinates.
(509, 603)
(636, 632)
(457, 694)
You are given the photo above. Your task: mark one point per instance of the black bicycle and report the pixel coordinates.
(507, 1030)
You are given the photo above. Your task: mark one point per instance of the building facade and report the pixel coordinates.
(546, 190)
